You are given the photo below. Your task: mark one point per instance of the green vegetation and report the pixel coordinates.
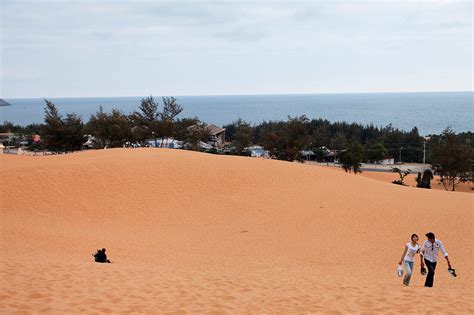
(62, 134)
(424, 181)
(285, 140)
(109, 130)
(351, 158)
(452, 159)
(294, 139)
(242, 136)
(401, 174)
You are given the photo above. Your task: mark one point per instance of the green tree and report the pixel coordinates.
(321, 137)
(111, 130)
(413, 146)
(98, 126)
(393, 139)
(401, 174)
(146, 122)
(196, 133)
(376, 152)
(62, 134)
(419, 180)
(286, 139)
(452, 159)
(338, 142)
(54, 128)
(182, 127)
(243, 136)
(171, 109)
(119, 128)
(74, 135)
(352, 158)
(425, 181)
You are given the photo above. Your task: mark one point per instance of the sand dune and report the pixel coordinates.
(410, 180)
(190, 232)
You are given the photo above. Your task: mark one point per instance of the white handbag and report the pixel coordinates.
(399, 270)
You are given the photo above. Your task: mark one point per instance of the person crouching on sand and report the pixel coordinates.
(101, 257)
(430, 250)
(408, 257)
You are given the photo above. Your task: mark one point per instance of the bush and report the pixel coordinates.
(425, 180)
(402, 175)
(351, 159)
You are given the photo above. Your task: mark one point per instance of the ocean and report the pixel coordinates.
(430, 112)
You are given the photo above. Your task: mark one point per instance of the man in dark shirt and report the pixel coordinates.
(101, 257)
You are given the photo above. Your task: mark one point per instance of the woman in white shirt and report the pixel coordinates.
(408, 257)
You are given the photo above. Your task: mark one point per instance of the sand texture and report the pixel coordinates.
(410, 181)
(197, 233)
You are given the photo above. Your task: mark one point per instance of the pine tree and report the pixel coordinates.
(452, 158)
(54, 128)
(243, 136)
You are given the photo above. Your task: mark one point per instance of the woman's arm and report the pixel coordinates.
(403, 255)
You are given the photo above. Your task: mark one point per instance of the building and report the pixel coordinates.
(386, 161)
(308, 155)
(256, 151)
(6, 136)
(169, 143)
(91, 142)
(216, 135)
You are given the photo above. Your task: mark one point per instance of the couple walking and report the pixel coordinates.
(428, 256)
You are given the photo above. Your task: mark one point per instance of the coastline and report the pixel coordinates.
(223, 109)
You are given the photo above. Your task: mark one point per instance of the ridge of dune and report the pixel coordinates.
(194, 232)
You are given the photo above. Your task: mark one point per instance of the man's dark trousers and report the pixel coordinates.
(431, 272)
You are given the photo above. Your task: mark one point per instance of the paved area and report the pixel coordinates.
(414, 168)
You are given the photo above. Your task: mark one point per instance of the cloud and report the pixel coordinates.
(141, 38)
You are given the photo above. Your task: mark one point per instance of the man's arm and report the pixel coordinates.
(447, 260)
(422, 254)
(445, 253)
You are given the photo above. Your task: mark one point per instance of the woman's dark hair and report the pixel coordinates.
(430, 235)
(413, 235)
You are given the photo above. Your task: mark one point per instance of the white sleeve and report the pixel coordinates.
(443, 250)
(422, 249)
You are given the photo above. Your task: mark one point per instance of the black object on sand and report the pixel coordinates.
(452, 272)
(101, 257)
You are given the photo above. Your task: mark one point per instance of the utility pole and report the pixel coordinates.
(400, 160)
(424, 150)
(424, 154)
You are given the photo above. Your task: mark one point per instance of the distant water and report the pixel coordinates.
(430, 112)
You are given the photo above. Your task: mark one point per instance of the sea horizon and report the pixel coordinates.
(239, 94)
(430, 112)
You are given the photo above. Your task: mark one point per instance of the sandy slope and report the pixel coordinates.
(191, 232)
(410, 180)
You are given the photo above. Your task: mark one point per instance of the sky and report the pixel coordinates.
(132, 48)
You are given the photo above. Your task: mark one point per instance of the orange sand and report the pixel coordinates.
(410, 180)
(192, 232)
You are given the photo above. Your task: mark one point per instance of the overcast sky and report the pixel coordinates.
(120, 48)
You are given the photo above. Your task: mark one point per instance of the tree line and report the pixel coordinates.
(68, 133)
(285, 139)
